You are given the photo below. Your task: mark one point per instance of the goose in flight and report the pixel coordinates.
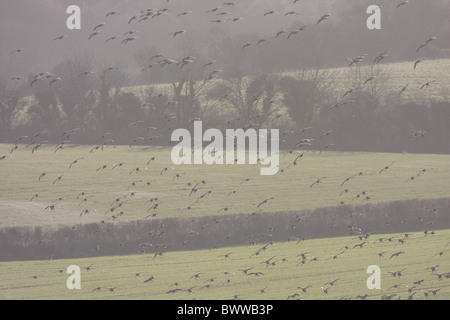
(369, 79)
(42, 175)
(427, 84)
(270, 12)
(357, 60)
(434, 292)
(110, 38)
(433, 268)
(380, 57)
(325, 290)
(335, 257)
(397, 273)
(421, 46)
(85, 73)
(317, 182)
(75, 162)
(417, 62)
(184, 13)
(245, 180)
(176, 33)
(245, 271)
(208, 64)
(38, 146)
(360, 245)
(16, 51)
(84, 212)
(53, 81)
(264, 202)
(346, 180)
(126, 40)
(304, 289)
(129, 33)
(430, 39)
(226, 256)
(59, 38)
(322, 18)
(98, 26)
(403, 90)
(386, 167)
(223, 13)
(396, 254)
(112, 13)
(248, 44)
(57, 179)
(93, 34)
(279, 33)
(213, 10)
(292, 33)
(332, 283)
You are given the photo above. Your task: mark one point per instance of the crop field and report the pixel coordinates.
(326, 268)
(135, 158)
(97, 188)
(395, 76)
(402, 73)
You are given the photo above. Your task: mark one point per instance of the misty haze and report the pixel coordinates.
(99, 200)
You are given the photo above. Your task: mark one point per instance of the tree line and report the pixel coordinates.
(307, 107)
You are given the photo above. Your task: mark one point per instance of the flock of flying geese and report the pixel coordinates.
(303, 259)
(426, 284)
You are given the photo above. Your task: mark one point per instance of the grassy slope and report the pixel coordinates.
(399, 74)
(279, 281)
(403, 73)
(291, 189)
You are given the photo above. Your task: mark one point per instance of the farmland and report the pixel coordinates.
(89, 180)
(290, 189)
(275, 273)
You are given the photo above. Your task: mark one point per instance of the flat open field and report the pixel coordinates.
(273, 272)
(226, 189)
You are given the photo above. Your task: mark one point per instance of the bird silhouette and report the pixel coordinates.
(264, 202)
(396, 254)
(386, 167)
(402, 3)
(322, 18)
(416, 63)
(59, 37)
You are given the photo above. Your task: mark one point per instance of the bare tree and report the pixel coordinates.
(8, 104)
(188, 97)
(76, 92)
(305, 93)
(252, 98)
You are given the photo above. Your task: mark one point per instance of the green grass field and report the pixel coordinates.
(291, 189)
(221, 278)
